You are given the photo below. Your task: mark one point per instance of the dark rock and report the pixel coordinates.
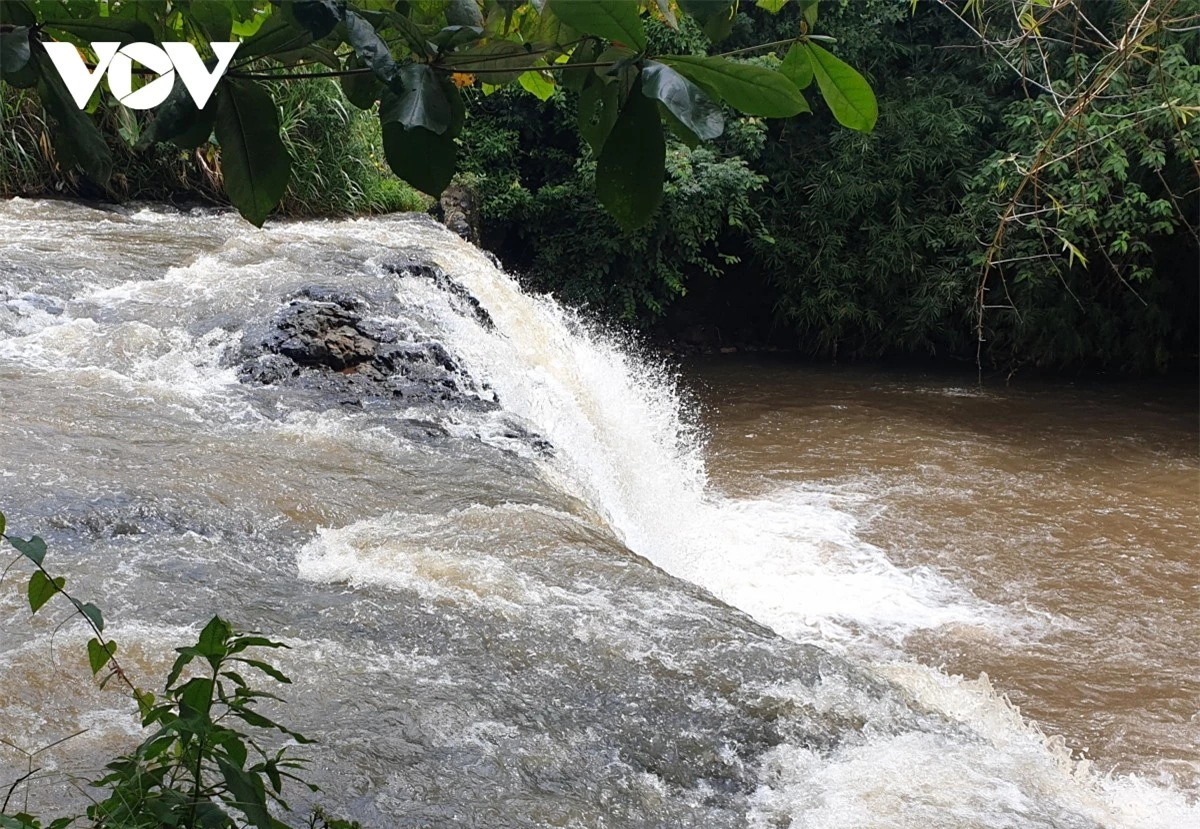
(460, 212)
(409, 264)
(323, 342)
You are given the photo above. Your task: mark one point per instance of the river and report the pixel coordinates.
(588, 587)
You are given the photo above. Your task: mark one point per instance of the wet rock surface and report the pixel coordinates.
(330, 341)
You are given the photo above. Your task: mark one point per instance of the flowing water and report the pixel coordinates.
(621, 598)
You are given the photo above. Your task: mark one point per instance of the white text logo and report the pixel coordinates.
(117, 61)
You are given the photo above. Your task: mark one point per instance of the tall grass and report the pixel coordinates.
(336, 151)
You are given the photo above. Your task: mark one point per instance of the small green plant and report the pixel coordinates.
(204, 763)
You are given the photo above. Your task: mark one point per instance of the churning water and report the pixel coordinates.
(540, 613)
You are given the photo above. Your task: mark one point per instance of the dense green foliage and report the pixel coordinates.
(407, 61)
(906, 241)
(204, 761)
(338, 169)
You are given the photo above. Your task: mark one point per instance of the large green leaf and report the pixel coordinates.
(463, 13)
(599, 105)
(573, 78)
(497, 62)
(16, 13)
(178, 120)
(275, 36)
(714, 16)
(369, 46)
(796, 66)
(362, 89)
(421, 157)
(77, 141)
(848, 94)
(255, 163)
(213, 17)
(317, 16)
(99, 29)
(16, 64)
(613, 19)
(686, 101)
(631, 167)
(753, 90)
(417, 97)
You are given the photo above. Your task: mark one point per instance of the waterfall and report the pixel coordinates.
(515, 598)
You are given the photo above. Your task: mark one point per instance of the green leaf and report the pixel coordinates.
(808, 10)
(714, 16)
(686, 101)
(16, 66)
(631, 167)
(599, 105)
(34, 549)
(451, 37)
(316, 16)
(255, 162)
(42, 589)
(98, 655)
(2, 523)
(213, 17)
(213, 640)
(178, 120)
(16, 13)
(361, 90)
(617, 20)
(421, 157)
(369, 47)
(92, 613)
(249, 795)
(537, 84)
(463, 13)
(195, 697)
(497, 55)
(416, 98)
(586, 52)
(276, 36)
(796, 66)
(98, 29)
(772, 6)
(750, 89)
(848, 94)
(77, 141)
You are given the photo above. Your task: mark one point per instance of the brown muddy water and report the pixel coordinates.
(563, 583)
(1069, 511)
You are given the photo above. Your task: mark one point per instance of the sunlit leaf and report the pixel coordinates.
(753, 90)
(850, 97)
(796, 66)
(617, 20)
(537, 84)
